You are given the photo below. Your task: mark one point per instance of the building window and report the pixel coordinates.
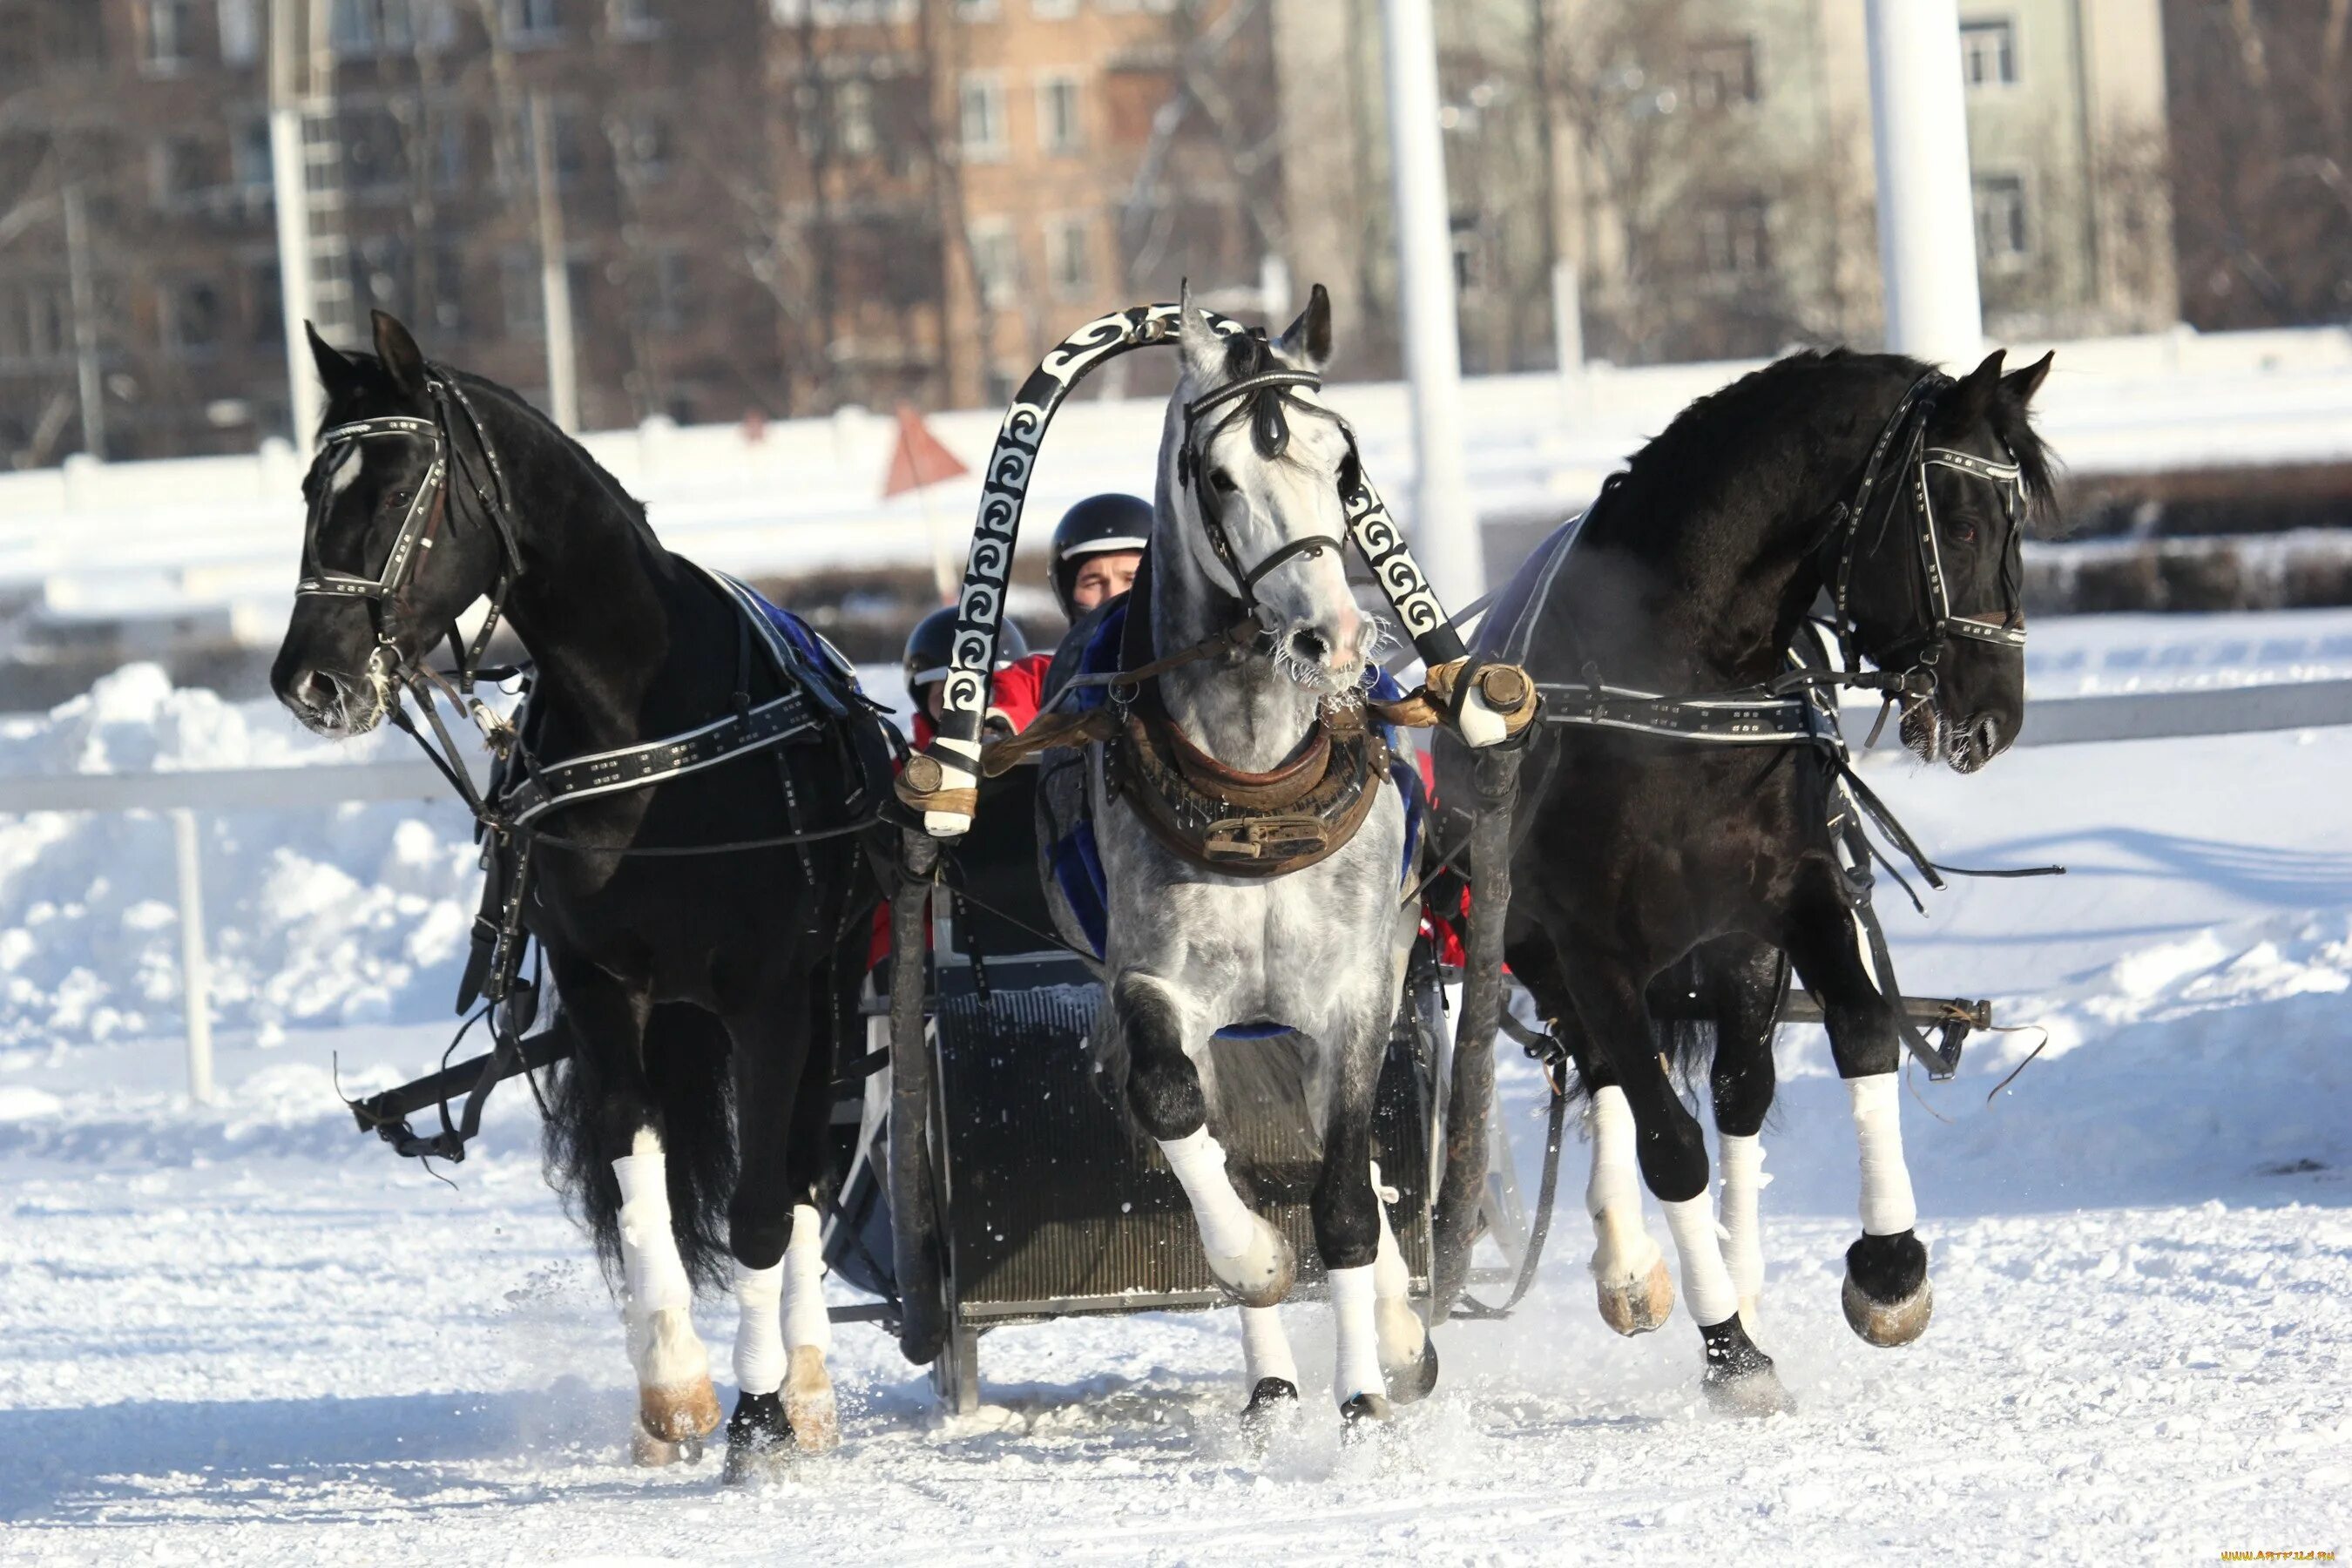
(192, 318)
(1053, 10)
(184, 170)
(532, 21)
(168, 40)
(240, 31)
(664, 290)
(981, 102)
(1723, 73)
(1735, 240)
(647, 150)
(1989, 53)
(248, 154)
(995, 263)
(1069, 261)
(269, 307)
(637, 20)
(2004, 238)
(1059, 132)
(358, 29)
(853, 117)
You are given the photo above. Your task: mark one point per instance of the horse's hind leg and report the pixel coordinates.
(1744, 980)
(676, 1403)
(1351, 1228)
(1888, 1299)
(1630, 1279)
(1250, 1258)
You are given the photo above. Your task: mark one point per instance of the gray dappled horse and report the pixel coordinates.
(1249, 522)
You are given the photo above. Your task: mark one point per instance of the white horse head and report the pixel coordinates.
(1250, 513)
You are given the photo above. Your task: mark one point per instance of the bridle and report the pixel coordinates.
(383, 591)
(1260, 397)
(1904, 480)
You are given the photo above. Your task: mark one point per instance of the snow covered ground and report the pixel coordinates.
(245, 1333)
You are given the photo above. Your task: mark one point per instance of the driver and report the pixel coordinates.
(1013, 690)
(1096, 547)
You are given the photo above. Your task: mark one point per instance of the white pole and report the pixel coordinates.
(1566, 318)
(291, 189)
(1445, 524)
(84, 293)
(196, 975)
(1927, 212)
(554, 277)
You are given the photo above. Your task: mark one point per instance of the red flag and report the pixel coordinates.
(918, 458)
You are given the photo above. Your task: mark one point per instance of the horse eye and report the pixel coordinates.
(396, 502)
(1965, 532)
(1222, 483)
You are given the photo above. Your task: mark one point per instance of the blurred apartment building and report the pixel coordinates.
(1702, 170)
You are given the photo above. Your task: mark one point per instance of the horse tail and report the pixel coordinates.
(687, 1067)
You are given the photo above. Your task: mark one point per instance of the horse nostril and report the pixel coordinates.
(1310, 647)
(317, 691)
(1987, 735)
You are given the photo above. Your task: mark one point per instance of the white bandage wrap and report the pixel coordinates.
(1359, 1368)
(1479, 724)
(655, 1276)
(1743, 1239)
(1265, 1349)
(1616, 1183)
(1888, 1206)
(1706, 1284)
(1399, 1327)
(806, 1322)
(952, 824)
(1228, 1229)
(759, 1335)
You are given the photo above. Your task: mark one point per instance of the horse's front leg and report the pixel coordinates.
(1745, 978)
(785, 1401)
(1888, 1299)
(676, 1403)
(1249, 1256)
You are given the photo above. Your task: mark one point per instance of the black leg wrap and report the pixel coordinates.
(1888, 1299)
(759, 1438)
(1739, 1378)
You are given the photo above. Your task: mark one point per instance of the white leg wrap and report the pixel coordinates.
(1359, 1356)
(1706, 1283)
(1614, 1196)
(1399, 1327)
(1265, 1349)
(806, 1322)
(655, 1276)
(1228, 1229)
(1888, 1206)
(1743, 1238)
(759, 1336)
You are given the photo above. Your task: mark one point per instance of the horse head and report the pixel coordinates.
(1249, 517)
(1937, 576)
(384, 572)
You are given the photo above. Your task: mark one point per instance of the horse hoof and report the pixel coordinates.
(648, 1452)
(1637, 1306)
(1739, 1379)
(1412, 1383)
(760, 1439)
(1888, 1323)
(676, 1413)
(1272, 1402)
(1364, 1413)
(1263, 1276)
(810, 1410)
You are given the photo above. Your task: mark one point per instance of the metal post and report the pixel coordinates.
(291, 193)
(85, 310)
(1566, 318)
(196, 975)
(1445, 524)
(554, 277)
(1927, 211)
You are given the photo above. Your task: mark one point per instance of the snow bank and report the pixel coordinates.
(340, 914)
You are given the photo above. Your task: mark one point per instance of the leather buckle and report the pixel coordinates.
(1264, 837)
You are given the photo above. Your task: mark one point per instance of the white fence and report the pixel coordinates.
(183, 794)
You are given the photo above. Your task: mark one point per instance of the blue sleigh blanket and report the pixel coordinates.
(1076, 861)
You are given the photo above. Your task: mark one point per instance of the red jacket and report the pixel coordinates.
(1015, 695)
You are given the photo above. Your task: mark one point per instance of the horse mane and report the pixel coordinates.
(1765, 417)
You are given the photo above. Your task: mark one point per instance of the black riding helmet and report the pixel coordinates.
(931, 642)
(1098, 525)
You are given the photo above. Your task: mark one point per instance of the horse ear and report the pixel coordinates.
(1973, 397)
(1203, 349)
(2021, 385)
(402, 360)
(1309, 340)
(337, 373)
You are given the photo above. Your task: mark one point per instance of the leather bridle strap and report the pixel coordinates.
(1245, 394)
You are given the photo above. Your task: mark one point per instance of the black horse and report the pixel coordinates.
(1672, 857)
(704, 993)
